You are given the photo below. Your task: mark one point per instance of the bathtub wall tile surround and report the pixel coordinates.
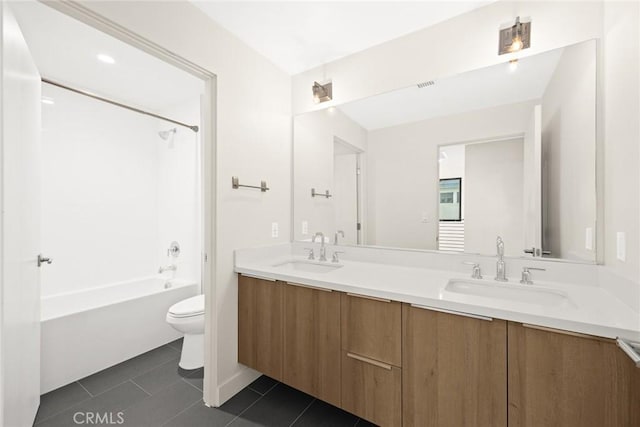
(115, 195)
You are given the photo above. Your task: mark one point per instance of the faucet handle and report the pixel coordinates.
(475, 272)
(311, 256)
(526, 275)
(334, 258)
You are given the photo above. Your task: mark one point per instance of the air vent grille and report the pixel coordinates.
(426, 84)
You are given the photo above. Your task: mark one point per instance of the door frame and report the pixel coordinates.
(208, 191)
(358, 152)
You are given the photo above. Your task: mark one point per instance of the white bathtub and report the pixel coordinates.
(87, 331)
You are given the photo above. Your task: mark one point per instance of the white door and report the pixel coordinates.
(20, 229)
(533, 184)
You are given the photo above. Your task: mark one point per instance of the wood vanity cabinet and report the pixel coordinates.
(260, 325)
(312, 341)
(454, 369)
(372, 358)
(559, 378)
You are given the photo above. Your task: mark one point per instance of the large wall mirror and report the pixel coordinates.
(449, 165)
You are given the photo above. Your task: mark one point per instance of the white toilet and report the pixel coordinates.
(187, 316)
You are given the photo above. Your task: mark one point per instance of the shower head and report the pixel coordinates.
(165, 134)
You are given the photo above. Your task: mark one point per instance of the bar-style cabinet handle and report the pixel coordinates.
(368, 297)
(456, 313)
(370, 361)
(630, 350)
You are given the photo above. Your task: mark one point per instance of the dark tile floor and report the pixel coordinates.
(150, 390)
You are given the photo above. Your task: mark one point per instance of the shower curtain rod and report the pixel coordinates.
(118, 104)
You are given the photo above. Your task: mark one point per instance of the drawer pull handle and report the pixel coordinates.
(370, 361)
(368, 297)
(628, 348)
(563, 332)
(457, 313)
(251, 276)
(315, 288)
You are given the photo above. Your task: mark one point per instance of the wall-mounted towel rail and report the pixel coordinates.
(235, 184)
(325, 194)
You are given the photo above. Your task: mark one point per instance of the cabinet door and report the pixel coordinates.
(563, 379)
(312, 341)
(371, 327)
(260, 325)
(454, 369)
(372, 390)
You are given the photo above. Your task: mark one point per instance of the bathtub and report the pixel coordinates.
(87, 331)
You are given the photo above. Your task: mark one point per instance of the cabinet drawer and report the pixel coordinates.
(371, 327)
(372, 390)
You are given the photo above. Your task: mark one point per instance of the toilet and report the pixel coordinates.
(187, 316)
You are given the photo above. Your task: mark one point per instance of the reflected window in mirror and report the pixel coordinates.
(451, 199)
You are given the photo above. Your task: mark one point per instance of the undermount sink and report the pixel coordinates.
(531, 294)
(307, 266)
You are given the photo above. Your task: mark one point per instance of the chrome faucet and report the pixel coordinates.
(526, 275)
(335, 236)
(171, 267)
(501, 271)
(476, 273)
(323, 250)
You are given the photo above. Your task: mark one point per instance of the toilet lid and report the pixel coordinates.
(189, 307)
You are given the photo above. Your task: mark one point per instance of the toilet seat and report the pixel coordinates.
(190, 307)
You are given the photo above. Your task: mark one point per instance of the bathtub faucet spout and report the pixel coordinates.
(171, 267)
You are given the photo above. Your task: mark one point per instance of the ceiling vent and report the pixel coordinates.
(426, 84)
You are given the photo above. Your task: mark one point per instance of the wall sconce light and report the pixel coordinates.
(515, 37)
(322, 93)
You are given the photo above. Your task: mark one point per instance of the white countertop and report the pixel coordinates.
(589, 310)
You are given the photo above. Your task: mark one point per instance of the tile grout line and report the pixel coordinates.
(265, 393)
(85, 389)
(181, 412)
(55, 414)
(302, 413)
(139, 386)
(192, 385)
(248, 407)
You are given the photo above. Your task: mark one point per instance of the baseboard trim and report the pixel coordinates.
(236, 383)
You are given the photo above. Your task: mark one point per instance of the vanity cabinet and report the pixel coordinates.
(372, 358)
(454, 369)
(371, 327)
(372, 389)
(260, 325)
(312, 341)
(559, 378)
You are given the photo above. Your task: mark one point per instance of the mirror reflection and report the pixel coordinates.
(449, 165)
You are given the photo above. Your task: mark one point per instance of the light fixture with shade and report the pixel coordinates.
(322, 93)
(515, 37)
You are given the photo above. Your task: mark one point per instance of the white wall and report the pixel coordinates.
(253, 142)
(313, 160)
(402, 171)
(568, 137)
(621, 93)
(99, 205)
(494, 197)
(113, 194)
(178, 191)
